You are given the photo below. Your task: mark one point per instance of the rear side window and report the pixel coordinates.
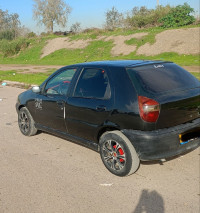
(159, 78)
(93, 83)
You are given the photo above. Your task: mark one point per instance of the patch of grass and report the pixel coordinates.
(36, 78)
(96, 50)
(10, 48)
(150, 38)
(182, 60)
(83, 36)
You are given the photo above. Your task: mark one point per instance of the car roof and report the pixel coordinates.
(121, 63)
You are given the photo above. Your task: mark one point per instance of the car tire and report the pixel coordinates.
(118, 154)
(26, 122)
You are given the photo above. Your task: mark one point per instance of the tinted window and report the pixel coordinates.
(93, 83)
(160, 78)
(59, 84)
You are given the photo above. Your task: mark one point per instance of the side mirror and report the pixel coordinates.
(36, 89)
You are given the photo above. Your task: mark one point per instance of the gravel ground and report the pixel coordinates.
(45, 173)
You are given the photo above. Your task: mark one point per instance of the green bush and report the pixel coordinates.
(139, 18)
(143, 17)
(7, 34)
(10, 48)
(178, 16)
(31, 35)
(157, 14)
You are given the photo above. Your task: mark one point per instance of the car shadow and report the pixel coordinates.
(67, 139)
(39, 132)
(150, 202)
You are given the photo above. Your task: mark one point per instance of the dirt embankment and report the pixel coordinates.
(181, 41)
(119, 44)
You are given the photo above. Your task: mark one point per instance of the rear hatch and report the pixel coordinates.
(175, 89)
(178, 107)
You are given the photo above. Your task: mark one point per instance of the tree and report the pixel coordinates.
(114, 19)
(140, 17)
(15, 22)
(51, 12)
(9, 25)
(75, 28)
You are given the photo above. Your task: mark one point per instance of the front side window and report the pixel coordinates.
(93, 83)
(59, 84)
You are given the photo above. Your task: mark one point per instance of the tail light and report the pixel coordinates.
(149, 109)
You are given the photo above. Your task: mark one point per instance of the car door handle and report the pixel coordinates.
(101, 108)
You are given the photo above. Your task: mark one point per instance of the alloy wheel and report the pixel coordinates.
(24, 123)
(114, 155)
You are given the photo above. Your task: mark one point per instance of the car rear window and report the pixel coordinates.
(159, 78)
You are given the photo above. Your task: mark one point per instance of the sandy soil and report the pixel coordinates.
(182, 41)
(45, 173)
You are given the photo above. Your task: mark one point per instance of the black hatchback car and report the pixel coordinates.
(126, 110)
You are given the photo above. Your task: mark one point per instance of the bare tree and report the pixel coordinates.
(15, 22)
(114, 19)
(76, 28)
(24, 32)
(51, 12)
(5, 20)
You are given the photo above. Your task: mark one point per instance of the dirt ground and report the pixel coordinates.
(28, 68)
(181, 41)
(45, 173)
(45, 68)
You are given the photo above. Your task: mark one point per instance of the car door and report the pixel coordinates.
(89, 106)
(50, 104)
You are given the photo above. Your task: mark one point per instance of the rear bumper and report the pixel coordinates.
(163, 143)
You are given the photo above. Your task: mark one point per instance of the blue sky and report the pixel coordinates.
(90, 13)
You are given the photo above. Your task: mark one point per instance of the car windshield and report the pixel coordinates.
(159, 78)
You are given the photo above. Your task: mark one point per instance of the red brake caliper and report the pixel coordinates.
(120, 150)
